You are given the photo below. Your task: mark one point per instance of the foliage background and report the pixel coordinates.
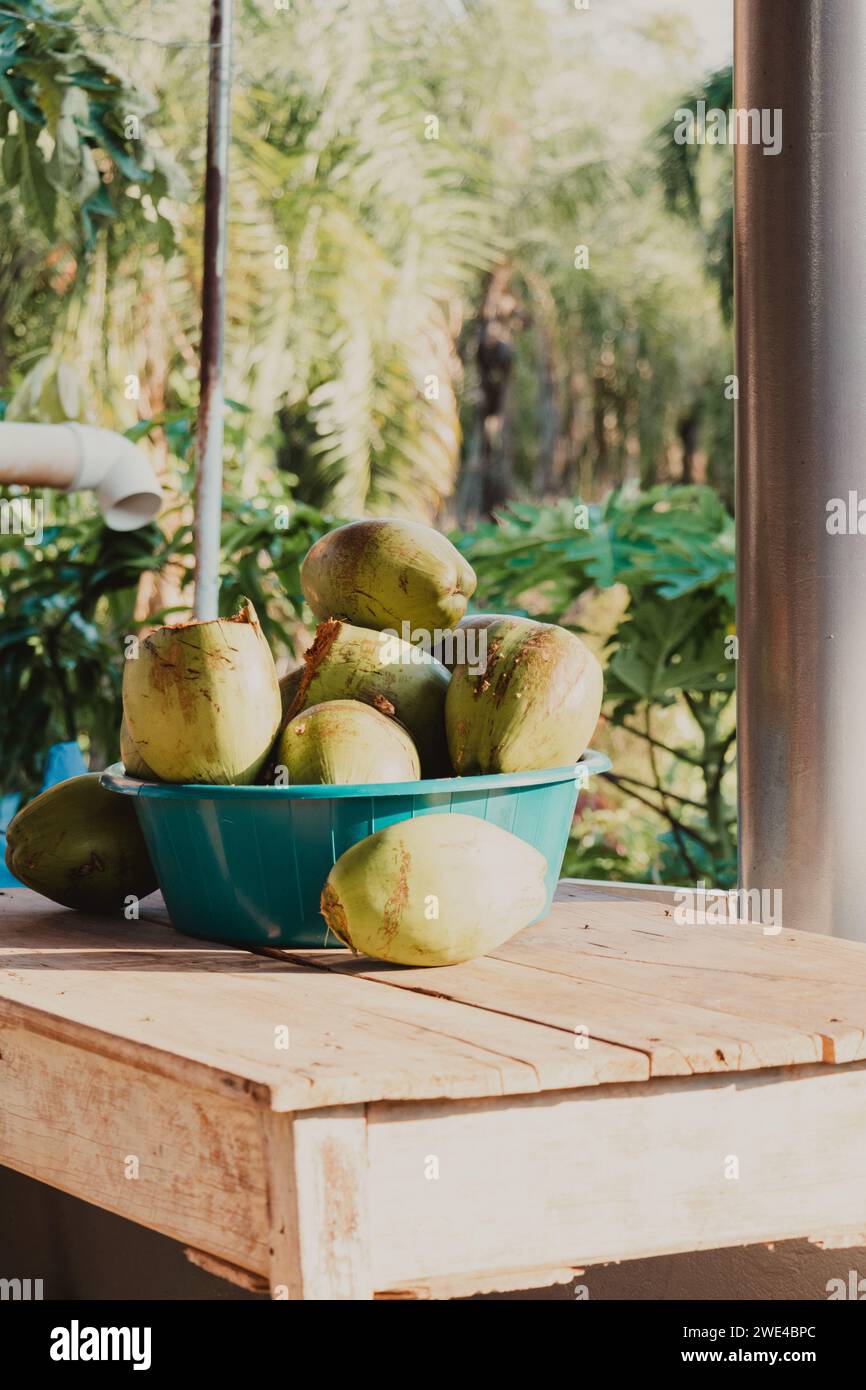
(412, 330)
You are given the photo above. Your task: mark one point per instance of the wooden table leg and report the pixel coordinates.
(317, 1196)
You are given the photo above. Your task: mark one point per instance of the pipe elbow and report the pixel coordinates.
(126, 487)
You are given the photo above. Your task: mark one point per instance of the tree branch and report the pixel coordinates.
(675, 824)
(674, 752)
(665, 815)
(674, 796)
(721, 769)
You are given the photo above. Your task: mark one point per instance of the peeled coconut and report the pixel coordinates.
(202, 700)
(80, 845)
(399, 680)
(435, 890)
(344, 742)
(383, 573)
(533, 704)
(133, 763)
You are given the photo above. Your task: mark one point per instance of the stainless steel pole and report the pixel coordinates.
(801, 418)
(209, 429)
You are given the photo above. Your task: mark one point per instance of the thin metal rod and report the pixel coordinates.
(209, 430)
(801, 421)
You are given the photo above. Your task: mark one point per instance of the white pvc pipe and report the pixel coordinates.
(71, 456)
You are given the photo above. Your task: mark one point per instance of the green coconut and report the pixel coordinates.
(399, 680)
(202, 700)
(133, 763)
(289, 688)
(533, 704)
(344, 742)
(460, 647)
(80, 845)
(382, 574)
(435, 890)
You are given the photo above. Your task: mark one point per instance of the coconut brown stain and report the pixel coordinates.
(326, 635)
(398, 900)
(93, 865)
(384, 706)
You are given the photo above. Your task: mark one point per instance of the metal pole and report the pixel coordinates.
(801, 418)
(209, 430)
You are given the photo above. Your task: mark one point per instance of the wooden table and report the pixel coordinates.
(606, 1086)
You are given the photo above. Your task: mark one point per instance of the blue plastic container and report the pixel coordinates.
(246, 865)
(64, 760)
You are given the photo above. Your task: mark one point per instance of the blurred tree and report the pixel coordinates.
(698, 183)
(76, 156)
(408, 206)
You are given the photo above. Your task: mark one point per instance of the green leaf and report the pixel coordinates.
(11, 162)
(72, 168)
(100, 203)
(39, 197)
(16, 93)
(113, 145)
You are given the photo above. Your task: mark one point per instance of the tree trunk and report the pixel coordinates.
(577, 471)
(488, 477)
(548, 478)
(688, 433)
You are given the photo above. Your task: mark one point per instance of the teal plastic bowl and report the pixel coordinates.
(246, 865)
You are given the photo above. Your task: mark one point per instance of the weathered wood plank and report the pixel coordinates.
(121, 1043)
(182, 1161)
(485, 1281)
(318, 1181)
(678, 1038)
(692, 998)
(604, 990)
(763, 980)
(599, 890)
(232, 1274)
(221, 1018)
(619, 1172)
